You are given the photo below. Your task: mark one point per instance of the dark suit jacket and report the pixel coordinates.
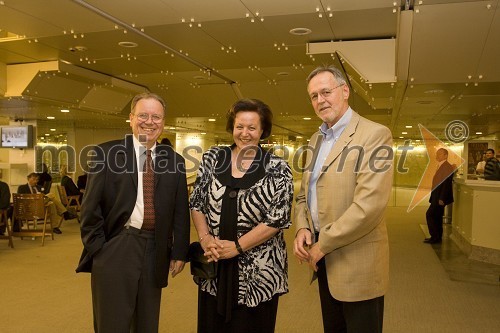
(442, 184)
(25, 189)
(111, 195)
(4, 195)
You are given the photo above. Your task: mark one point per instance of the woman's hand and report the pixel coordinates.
(221, 249)
(210, 246)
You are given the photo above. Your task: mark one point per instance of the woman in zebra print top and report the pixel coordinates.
(240, 206)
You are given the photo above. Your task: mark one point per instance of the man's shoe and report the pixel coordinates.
(57, 231)
(432, 241)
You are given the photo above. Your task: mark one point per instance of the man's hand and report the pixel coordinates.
(301, 243)
(176, 266)
(441, 203)
(315, 255)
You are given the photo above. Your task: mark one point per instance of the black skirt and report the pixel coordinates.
(244, 319)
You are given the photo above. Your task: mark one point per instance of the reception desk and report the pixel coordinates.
(476, 219)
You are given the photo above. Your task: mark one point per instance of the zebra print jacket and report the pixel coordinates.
(263, 270)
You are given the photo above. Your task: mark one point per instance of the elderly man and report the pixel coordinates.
(340, 211)
(134, 222)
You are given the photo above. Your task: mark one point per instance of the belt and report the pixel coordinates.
(139, 232)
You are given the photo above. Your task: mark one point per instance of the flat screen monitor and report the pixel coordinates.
(17, 136)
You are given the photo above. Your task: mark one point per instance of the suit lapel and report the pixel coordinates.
(161, 161)
(344, 139)
(127, 157)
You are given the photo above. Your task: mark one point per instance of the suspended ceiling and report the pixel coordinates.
(408, 62)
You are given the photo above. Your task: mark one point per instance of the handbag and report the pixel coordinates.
(200, 267)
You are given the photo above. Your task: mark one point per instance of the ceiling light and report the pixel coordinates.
(50, 117)
(171, 128)
(478, 133)
(409, 126)
(53, 129)
(300, 31)
(65, 110)
(211, 119)
(404, 132)
(128, 44)
(306, 118)
(127, 121)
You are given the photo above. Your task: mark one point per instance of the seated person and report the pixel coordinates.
(45, 179)
(4, 204)
(81, 182)
(69, 185)
(55, 210)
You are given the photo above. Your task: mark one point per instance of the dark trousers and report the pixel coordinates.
(352, 317)
(125, 296)
(244, 319)
(434, 217)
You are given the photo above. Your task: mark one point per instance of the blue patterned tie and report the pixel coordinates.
(148, 188)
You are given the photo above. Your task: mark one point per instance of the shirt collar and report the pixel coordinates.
(338, 127)
(141, 149)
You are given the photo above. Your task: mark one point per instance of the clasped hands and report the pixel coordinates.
(217, 249)
(305, 251)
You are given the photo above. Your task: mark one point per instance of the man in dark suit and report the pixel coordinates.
(56, 210)
(441, 195)
(134, 231)
(4, 203)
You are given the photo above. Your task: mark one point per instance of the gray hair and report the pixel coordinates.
(337, 74)
(147, 95)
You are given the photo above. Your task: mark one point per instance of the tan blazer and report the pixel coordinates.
(352, 197)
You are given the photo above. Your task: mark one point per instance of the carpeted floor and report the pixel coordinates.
(42, 293)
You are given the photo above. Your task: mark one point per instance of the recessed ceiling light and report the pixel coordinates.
(53, 129)
(128, 44)
(434, 91)
(479, 133)
(404, 132)
(65, 110)
(306, 118)
(203, 133)
(127, 121)
(409, 126)
(211, 119)
(300, 31)
(171, 128)
(50, 117)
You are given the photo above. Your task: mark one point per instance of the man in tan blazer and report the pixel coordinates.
(340, 208)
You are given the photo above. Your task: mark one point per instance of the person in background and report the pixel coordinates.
(492, 166)
(340, 208)
(56, 209)
(134, 222)
(480, 166)
(4, 204)
(441, 195)
(240, 206)
(81, 182)
(69, 185)
(45, 179)
(166, 141)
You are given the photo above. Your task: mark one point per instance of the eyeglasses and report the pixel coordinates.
(144, 117)
(325, 93)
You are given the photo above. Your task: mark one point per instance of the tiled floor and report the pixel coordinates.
(459, 267)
